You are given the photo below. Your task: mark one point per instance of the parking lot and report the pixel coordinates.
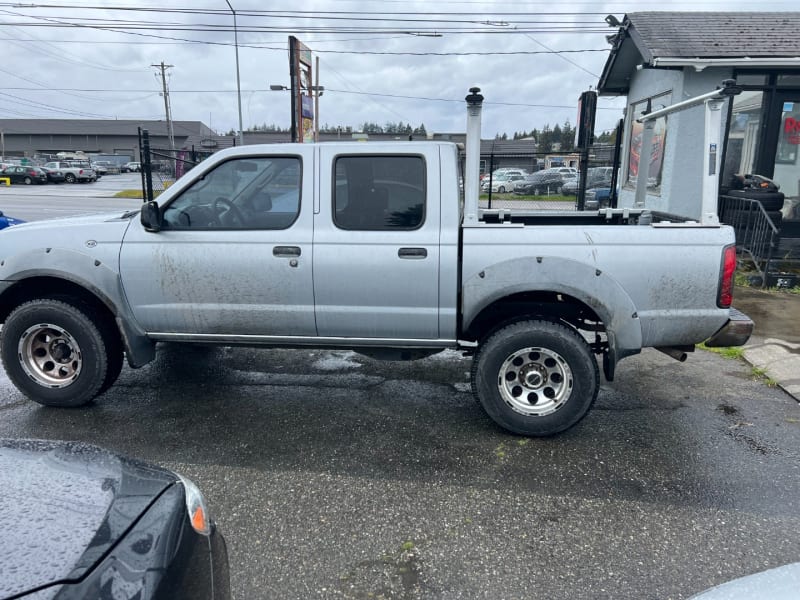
(335, 476)
(48, 201)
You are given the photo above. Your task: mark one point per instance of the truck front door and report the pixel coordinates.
(376, 244)
(233, 257)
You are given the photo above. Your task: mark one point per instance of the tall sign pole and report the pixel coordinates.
(238, 82)
(302, 91)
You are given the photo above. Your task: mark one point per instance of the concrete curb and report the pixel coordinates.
(779, 359)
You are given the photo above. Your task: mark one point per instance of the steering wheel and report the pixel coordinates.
(227, 213)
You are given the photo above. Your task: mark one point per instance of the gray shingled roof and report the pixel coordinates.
(645, 37)
(718, 35)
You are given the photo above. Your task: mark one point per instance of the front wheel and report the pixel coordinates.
(56, 354)
(535, 378)
(27, 181)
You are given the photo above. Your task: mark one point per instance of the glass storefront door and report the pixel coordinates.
(787, 154)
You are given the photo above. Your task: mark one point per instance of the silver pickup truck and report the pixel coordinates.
(74, 171)
(367, 247)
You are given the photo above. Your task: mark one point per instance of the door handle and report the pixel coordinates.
(413, 253)
(286, 251)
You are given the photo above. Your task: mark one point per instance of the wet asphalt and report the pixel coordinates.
(335, 476)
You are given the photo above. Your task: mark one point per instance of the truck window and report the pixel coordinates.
(242, 193)
(377, 193)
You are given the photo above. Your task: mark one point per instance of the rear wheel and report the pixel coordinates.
(69, 178)
(535, 378)
(57, 354)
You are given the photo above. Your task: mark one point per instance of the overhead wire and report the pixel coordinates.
(450, 26)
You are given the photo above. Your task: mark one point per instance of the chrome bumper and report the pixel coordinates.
(735, 332)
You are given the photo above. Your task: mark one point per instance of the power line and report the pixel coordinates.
(327, 89)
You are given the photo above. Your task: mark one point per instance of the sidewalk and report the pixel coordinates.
(775, 344)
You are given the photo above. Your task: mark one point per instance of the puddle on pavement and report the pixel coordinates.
(775, 314)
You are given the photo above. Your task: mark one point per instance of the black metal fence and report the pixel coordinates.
(161, 167)
(757, 235)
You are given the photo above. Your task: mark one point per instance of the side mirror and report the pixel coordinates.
(151, 217)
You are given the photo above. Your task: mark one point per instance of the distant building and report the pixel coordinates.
(48, 137)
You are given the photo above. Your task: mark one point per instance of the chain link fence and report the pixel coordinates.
(161, 167)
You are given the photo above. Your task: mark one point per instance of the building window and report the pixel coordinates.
(757, 79)
(656, 154)
(379, 193)
(789, 134)
(789, 80)
(744, 134)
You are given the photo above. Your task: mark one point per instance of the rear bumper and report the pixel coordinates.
(735, 332)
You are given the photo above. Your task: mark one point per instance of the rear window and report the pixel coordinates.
(379, 193)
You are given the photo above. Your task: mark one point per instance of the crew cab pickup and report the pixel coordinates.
(74, 172)
(367, 247)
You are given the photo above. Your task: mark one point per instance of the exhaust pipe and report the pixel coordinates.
(676, 352)
(473, 160)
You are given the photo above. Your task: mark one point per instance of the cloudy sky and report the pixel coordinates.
(380, 60)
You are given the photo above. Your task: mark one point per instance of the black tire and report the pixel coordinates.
(69, 178)
(769, 200)
(501, 190)
(514, 369)
(114, 355)
(55, 354)
(27, 181)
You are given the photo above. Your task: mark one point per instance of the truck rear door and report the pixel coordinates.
(376, 242)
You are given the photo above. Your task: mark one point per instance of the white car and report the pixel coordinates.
(502, 183)
(504, 171)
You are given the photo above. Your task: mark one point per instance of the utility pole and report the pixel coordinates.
(167, 107)
(238, 84)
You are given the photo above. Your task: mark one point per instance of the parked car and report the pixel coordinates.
(502, 183)
(74, 171)
(595, 177)
(54, 175)
(82, 522)
(8, 221)
(549, 181)
(565, 170)
(131, 167)
(504, 171)
(25, 175)
(596, 198)
(100, 168)
(86, 167)
(107, 167)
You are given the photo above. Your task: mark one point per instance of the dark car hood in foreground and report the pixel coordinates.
(63, 505)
